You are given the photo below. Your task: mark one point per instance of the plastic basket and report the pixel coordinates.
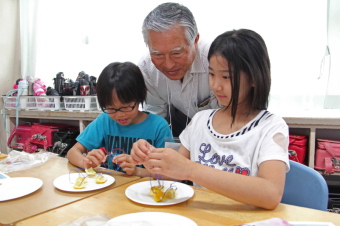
(50, 103)
(25, 102)
(98, 106)
(80, 103)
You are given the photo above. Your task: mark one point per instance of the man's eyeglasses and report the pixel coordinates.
(123, 109)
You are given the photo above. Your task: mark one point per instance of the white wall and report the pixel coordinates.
(333, 95)
(105, 31)
(9, 54)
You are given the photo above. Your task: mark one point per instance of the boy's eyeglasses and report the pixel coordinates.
(123, 109)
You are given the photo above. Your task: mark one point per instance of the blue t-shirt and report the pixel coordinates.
(105, 132)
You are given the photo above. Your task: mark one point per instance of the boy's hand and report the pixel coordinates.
(94, 158)
(125, 162)
(140, 150)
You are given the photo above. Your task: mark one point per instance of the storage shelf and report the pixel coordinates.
(312, 120)
(309, 120)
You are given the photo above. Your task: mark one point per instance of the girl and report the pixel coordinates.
(240, 150)
(120, 90)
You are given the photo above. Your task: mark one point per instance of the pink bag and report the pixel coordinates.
(41, 136)
(21, 135)
(297, 148)
(328, 156)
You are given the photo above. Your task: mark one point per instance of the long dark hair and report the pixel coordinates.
(245, 50)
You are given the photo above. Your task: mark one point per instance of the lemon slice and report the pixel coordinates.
(90, 172)
(80, 179)
(78, 186)
(80, 183)
(171, 193)
(158, 195)
(100, 179)
(154, 188)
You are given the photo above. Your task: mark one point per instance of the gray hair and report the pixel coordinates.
(165, 16)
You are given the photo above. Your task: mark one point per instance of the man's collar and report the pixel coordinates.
(197, 65)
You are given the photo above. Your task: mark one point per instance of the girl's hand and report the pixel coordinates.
(94, 158)
(125, 162)
(168, 162)
(140, 151)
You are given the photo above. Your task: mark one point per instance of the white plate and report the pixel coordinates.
(16, 187)
(140, 193)
(151, 219)
(63, 182)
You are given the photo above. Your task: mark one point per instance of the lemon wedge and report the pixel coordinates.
(155, 188)
(90, 172)
(171, 193)
(80, 183)
(80, 179)
(158, 195)
(100, 179)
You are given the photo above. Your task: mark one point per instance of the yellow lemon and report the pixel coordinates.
(81, 179)
(158, 195)
(77, 186)
(171, 193)
(80, 183)
(100, 179)
(154, 188)
(90, 172)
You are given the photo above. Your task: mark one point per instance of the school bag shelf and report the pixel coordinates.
(298, 148)
(49, 103)
(24, 103)
(80, 103)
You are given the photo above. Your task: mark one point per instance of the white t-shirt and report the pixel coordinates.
(188, 96)
(240, 152)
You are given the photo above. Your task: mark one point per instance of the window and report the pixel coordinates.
(86, 35)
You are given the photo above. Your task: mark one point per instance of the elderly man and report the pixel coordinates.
(176, 68)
